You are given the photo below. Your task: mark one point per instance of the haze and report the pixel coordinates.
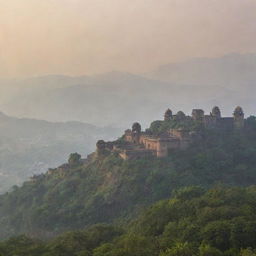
(57, 59)
(84, 37)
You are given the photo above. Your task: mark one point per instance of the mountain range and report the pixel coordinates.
(118, 99)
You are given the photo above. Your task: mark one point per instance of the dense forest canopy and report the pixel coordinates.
(193, 222)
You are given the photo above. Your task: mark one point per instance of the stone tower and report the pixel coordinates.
(136, 132)
(238, 118)
(168, 115)
(101, 146)
(216, 112)
(180, 116)
(198, 114)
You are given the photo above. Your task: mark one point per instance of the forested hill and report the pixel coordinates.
(194, 222)
(107, 189)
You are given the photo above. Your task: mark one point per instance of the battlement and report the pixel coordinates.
(215, 120)
(139, 144)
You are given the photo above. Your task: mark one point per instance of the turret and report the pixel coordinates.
(168, 115)
(238, 117)
(216, 112)
(180, 116)
(136, 131)
(136, 128)
(101, 147)
(197, 114)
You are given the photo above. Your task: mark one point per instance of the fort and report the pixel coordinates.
(177, 134)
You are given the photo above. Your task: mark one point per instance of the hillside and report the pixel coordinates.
(107, 189)
(29, 146)
(217, 222)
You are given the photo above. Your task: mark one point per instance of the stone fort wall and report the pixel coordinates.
(141, 144)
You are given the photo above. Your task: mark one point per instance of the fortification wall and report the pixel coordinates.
(141, 144)
(179, 133)
(149, 143)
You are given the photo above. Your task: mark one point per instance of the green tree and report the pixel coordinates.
(207, 250)
(248, 252)
(217, 234)
(179, 249)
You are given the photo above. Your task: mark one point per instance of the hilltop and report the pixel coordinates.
(104, 188)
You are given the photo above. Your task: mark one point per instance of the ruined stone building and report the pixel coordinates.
(215, 120)
(138, 144)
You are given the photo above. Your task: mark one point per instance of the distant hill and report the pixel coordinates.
(29, 146)
(119, 99)
(114, 98)
(107, 189)
(230, 71)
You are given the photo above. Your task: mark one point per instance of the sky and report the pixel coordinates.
(85, 37)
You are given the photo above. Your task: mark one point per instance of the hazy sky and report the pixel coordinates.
(92, 36)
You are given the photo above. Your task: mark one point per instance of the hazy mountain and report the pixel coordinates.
(13, 88)
(230, 71)
(29, 146)
(119, 99)
(116, 99)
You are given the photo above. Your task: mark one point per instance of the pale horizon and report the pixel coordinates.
(85, 37)
(139, 73)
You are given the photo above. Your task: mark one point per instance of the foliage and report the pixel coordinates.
(109, 190)
(207, 250)
(248, 252)
(216, 222)
(160, 127)
(203, 224)
(179, 249)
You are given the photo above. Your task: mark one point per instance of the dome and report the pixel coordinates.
(136, 127)
(100, 144)
(238, 111)
(180, 115)
(216, 111)
(168, 114)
